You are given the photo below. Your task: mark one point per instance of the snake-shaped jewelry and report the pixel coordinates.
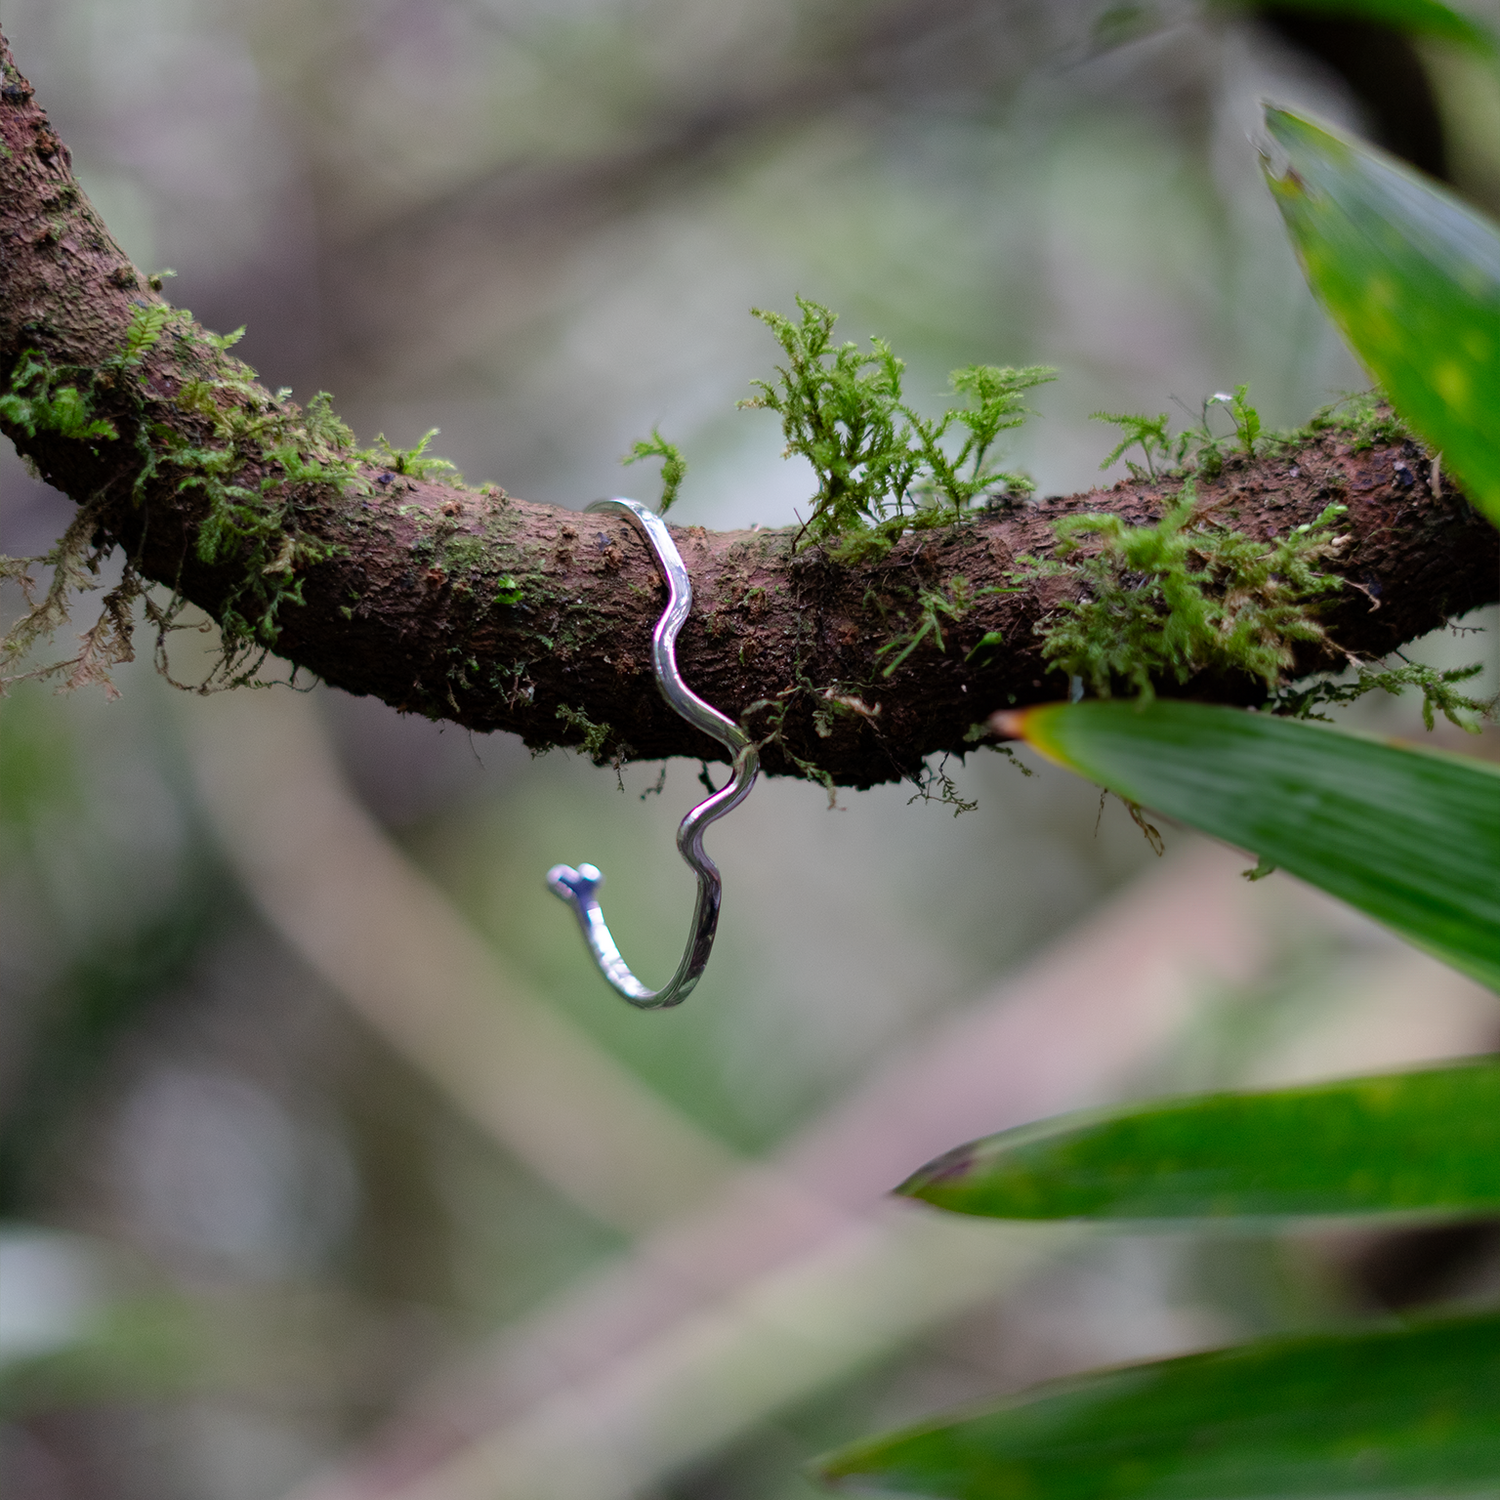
(579, 888)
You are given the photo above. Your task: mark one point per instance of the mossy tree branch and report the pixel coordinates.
(496, 613)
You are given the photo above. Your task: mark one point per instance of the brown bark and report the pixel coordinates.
(415, 605)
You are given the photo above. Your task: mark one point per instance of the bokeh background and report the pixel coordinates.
(328, 1168)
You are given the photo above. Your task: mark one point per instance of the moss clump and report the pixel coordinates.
(1184, 597)
(413, 463)
(256, 524)
(251, 461)
(149, 321)
(774, 711)
(1363, 420)
(673, 466)
(1196, 449)
(255, 448)
(37, 402)
(933, 607)
(43, 398)
(251, 456)
(1180, 598)
(882, 469)
(594, 738)
(463, 553)
(1439, 689)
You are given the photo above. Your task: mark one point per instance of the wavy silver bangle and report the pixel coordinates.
(579, 888)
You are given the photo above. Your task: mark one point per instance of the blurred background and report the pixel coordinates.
(328, 1167)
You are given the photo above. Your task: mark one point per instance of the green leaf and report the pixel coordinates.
(1388, 1412)
(1415, 17)
(1409, 1142)
(1412, 278)
(1411, 837)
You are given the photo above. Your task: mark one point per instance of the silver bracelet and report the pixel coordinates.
(579, 888)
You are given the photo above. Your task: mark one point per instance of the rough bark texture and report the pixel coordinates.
(501, 614)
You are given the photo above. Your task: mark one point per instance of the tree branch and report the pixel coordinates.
(502, 614)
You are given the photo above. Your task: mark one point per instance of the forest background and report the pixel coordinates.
(261, 1226)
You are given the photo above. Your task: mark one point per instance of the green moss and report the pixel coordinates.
(1149, 434)
(253, 527)
(36, 402)
(934, 784)
(933, 607)
(882, 469)
(1195, 450)
(245, 469)
(1363, 420)
(1183, 597)
(42, 398)
(1439, 689)
(985, 647)
(463, 553)
(414, 463)
(148, 321)
(595, 738)
(673, 466)
(773, 712)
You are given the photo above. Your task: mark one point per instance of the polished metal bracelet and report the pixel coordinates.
(579, 888)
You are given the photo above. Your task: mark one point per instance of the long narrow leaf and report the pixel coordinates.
(1411, 837)
(1412, 278)
(1391, 1412)
(1415, 17)
(1408, 1142)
